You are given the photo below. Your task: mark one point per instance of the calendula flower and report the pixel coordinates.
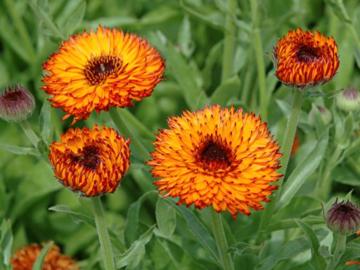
(305, 58)
(216, 157)
(16, 104)
(343, 217)
(91, 161)
(98, 70)
(25, 258)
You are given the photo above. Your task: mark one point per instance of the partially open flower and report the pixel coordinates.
(343, 217)
(16, 103)
(305, 58)
(216, 157)
(91, 161)
(98, 70)
(348, 100)
(25, 258)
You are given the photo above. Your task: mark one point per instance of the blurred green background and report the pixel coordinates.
(190, 36)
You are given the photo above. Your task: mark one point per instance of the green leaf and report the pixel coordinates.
(138, 148)
(19, 150)
(44, 17)
(45, 123)
(184, 38)
(76, 215)
(194, 96)
(226, 90)
(303, 170)
(339, 9)
(40, 259)
(197, 228)
(72, 16)
(6, 242)
(165, 217)
(213, 57)
(133, 217)
(317, 260)
(134, 255)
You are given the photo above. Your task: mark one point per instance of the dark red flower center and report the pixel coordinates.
(13, 96)
(99, 68)
(214, 155)
(307, 54)
(89, 158)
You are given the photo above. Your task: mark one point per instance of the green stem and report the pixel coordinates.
(229, 41)
(104, 239)
(288, 140)
(140, 149)
(340, 247)
(221, 242)
(30, 133)
(259, 54)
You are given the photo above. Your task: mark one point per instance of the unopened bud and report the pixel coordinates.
(348, 100)
(16, 104)
(343, 217)
(321, 112)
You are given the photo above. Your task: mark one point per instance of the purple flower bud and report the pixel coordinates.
(348, 100)
(16, 103)
(343, 217)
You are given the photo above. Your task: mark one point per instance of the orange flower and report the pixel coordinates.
(26, 257)
(91, 161)
(349, 263)
(98, 70)
(216, 157)
(305, 58)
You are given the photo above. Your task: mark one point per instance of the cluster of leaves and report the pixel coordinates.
(148, 232)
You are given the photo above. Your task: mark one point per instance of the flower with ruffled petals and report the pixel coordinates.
(25, 258)
(91, 161)
(305, 58)
(223, 158)
(98, 70)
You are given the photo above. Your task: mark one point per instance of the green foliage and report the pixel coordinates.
(146, 230)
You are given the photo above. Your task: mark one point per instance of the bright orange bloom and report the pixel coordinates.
(98, 70)
(54, 260)
(91, 161)
(305, 58)
(217, 157)
(349, 263)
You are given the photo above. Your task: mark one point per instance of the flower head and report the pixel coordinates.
(348, 100)
(26, 257)
(91, 161)
(343, 217)
(305, 58)
(216, 157)
(98, 70)
(16, 103)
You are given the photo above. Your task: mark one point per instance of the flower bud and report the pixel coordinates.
(16, 104)
(343, 217)
(348, 100)
(322, 112)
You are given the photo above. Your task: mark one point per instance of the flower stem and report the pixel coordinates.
(229, 41)
(286, 146)
(340, 247)
(290, 132)
(221, 242)
(259, 54)
(104, 239)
